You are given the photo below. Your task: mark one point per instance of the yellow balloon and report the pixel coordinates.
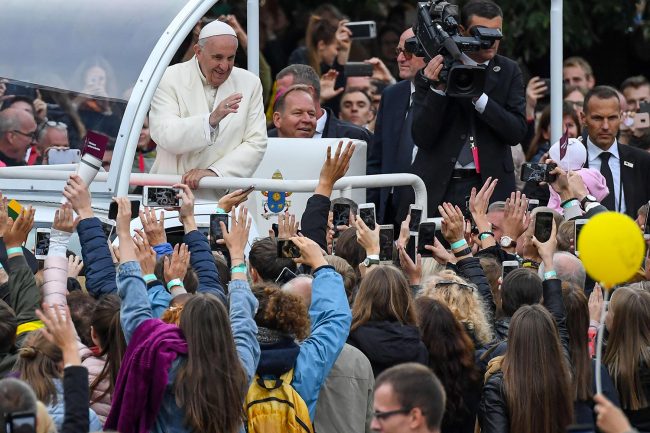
(611, 248)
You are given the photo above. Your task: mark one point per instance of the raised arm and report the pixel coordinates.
(330, 324)
(243, 304)
(201, 256)
(552, 287)
(55, 273)
(100, 272)
(314, 219)
(60, 331)
(24, 295)
(131, 288)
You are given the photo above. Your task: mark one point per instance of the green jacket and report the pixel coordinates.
(24, 298)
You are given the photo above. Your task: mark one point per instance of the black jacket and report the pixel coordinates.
(337, 128)
(76, 395)
(385, 154)
(493, 410)
(313, 223)
(441, 126)
(635, 175)
(389, 343)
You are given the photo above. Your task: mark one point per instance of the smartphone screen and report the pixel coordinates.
(287, 249)
(42, 244)
(109, 229)
(135, 210)
(285, 276)
(367, 214)
(215, 230)
(386, 242)
(508, 266)
(579, 224)
(159, 196)
(411, 247)
(426, 235)
(340, 214)
(543, 226)
(532, 204)
(416, 218)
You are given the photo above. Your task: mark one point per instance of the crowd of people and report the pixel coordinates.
(315, 327)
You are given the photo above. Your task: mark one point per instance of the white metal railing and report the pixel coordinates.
(345, 184)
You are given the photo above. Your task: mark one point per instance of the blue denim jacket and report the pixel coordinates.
(331, 319)
(57, 411)
(136, 309)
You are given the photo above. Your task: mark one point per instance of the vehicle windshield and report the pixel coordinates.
(79, 60)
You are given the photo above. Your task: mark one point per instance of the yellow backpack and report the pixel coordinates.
(273, 405)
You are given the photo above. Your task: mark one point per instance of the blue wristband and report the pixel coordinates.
(14, 250)
(219, 210)
(550, 275)
(458, 244)
(239, 268)
(175, 282)
(149, 278)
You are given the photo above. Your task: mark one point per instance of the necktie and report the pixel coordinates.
(405, 150)
(609, 202)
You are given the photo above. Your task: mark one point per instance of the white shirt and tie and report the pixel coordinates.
(614, 163)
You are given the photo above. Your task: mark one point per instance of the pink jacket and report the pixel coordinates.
(95, 364)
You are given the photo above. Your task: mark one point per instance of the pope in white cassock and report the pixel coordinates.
(207, 116)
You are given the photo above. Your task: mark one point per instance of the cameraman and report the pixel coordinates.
(442, 125)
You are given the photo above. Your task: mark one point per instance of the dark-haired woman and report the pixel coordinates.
(584, 368)
(451, 357)
(528, 390)
(384, 320)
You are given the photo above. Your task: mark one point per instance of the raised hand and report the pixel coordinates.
(327, 84)
(175, 267)
(64, 219)
(368, 239)
(16, 232)
(453, 222)
(514, 215)
(123, 228)
(59, 330)
(412, 270)
(4, 215)
(77, 193)
(75, 265)
(334, 168)
(310, 253)
(237, 237)
(146, 254)
(287, 225)
(186, 211)
(153, 227)
(233, 199)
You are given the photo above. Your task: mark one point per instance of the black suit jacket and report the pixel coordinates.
(635, 175)
(384, 155)
(441, 125)
(337, 128)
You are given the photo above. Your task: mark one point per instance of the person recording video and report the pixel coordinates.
(461, 141)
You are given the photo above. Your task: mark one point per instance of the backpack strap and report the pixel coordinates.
(277, 383)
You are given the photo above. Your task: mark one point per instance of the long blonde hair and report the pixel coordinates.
(463, 300)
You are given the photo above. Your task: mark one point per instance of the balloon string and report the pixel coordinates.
(599, 344)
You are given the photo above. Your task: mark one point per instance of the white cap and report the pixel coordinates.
(575, 157)
(216, 28)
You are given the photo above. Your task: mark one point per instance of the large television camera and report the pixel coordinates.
(437, 32)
